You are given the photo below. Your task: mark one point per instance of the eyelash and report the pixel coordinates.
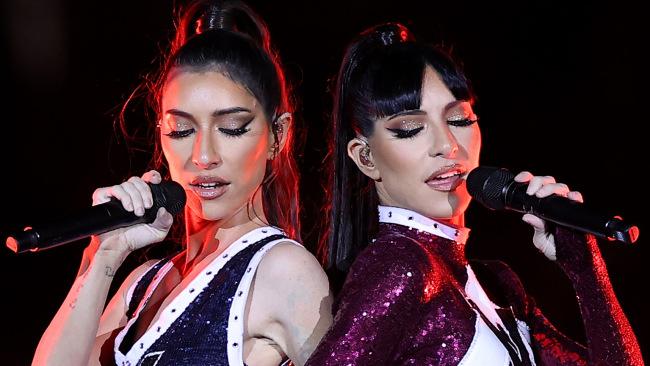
(404, 134)
(236, 132)
(229, 132)
(180, 134)
(463, 122)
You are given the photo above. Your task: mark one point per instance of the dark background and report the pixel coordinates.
(562, 91)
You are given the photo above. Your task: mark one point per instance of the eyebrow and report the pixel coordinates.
(409, 112)
(233, 110)
(177, 112)
(455, 103)
(420, 112)
(217, 113)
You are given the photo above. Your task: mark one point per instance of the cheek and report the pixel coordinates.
(249, 159)
(470, 141)
(176, 153)
(400, 158)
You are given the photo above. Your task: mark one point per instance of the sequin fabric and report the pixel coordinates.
(610, 338)
(402, 304)
(199, 335)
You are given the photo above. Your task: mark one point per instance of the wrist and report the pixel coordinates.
(108, 254)
(577, 253)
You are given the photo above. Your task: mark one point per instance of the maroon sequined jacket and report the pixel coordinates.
(403, 304)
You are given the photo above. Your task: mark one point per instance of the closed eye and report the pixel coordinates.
(463, 122)
(180, 134)
(235, 132)
(403, 134)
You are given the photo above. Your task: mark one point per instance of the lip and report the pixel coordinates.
(449, 183)
(209, 193)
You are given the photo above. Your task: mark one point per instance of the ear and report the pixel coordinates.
(279, 130)
(363, 159)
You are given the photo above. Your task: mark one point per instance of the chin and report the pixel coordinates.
(202, 210)
(459, 206)
(459, 200)
(214, 211)
(448, 209)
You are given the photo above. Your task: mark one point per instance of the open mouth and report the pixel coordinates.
(446, 180)
(209, 187)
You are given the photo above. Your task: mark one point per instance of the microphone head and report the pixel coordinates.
(486, 185)
(170, 195)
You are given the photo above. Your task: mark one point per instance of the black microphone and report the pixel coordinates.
(97, 220)
(496, 189)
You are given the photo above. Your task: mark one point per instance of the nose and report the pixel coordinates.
(444, 142)
(204, 152)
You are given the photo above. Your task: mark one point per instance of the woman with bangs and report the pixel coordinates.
(405, 138)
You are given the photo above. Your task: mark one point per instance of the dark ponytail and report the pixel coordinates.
(230, 38)
(381, 74)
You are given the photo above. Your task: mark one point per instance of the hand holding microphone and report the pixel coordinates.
(544, 186)
(136, 196)
(497, 189)
(124, 217)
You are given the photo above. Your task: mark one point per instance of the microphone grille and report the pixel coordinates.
(486, 185)
(170, 195)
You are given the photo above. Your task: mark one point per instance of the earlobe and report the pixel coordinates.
(359, 151)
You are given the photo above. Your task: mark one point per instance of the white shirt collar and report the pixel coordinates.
(412, 219)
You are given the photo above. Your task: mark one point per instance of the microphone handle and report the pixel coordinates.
(89, 221)
(568, 213)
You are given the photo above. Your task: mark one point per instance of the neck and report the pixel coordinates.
(457, 221)
(204, 237)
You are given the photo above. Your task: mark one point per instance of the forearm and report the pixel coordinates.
(69, 338)
(610, 338)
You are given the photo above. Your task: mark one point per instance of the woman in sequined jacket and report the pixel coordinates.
(405, 137)
(241, 291)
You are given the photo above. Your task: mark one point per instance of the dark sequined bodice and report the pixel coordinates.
(198, 336)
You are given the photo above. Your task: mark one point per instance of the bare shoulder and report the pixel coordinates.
(290, 262)
(291, 301)
(289, 271)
